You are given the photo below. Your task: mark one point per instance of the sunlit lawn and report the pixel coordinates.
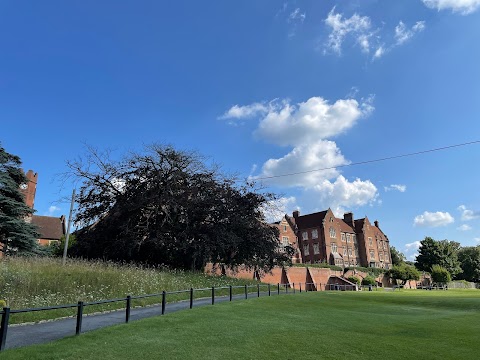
(325, 325)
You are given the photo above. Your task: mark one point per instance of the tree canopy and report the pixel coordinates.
(443, 253)
(397, 256)
(469, 258)
(166, 206)
(403, 272)
(16, 235)
(440, 275)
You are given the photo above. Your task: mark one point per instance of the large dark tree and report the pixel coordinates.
(469, 258)
(168, 207)
(443, 253)
(16, 235)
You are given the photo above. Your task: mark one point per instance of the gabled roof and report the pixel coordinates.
(311, 220)
(359, 224)
(49, 227)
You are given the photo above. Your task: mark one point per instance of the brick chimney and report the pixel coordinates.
(296, 214)
(376, 224)
(348, 218)
(29, 189)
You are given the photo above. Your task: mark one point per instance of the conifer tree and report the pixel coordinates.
(16, 235)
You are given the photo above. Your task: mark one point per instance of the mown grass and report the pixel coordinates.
(317, 325)
(39, 282)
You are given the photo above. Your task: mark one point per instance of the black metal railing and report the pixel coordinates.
(267, 289)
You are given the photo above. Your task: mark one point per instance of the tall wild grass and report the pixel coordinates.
(39, 282)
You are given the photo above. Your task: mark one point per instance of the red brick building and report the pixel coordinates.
(288, 237)
(51, 228)
(323, 238)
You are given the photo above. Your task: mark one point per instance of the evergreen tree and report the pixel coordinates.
(16, 235)
(470, 262)
(443, 253)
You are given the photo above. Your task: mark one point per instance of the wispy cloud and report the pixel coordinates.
(464, 227)
(433, 219)
(369, 38)
(52, 210)
(411, 250)
(468, 214)
(396, 187)
(463, 7)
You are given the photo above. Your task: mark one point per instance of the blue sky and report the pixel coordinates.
(264, 88)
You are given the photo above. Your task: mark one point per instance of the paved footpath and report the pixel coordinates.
(53, 330)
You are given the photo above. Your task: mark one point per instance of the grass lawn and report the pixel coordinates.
(316, 325)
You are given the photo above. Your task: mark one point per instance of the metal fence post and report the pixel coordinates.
(230, 292)
(191, 298)
(301, 287)
(278, 288)
(246, 296)
(286, 288)
(78, 329)
(213, 295)
(258, 290)
(127, 311)
(164, 295)
(4, 328)
(269, 290)
(294, 288)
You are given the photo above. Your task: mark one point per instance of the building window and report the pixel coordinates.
(386, 257)
(284, 228)
(348, 238)
(372, 255)
(334, 247)
(314, 234)
(347, 264)
(343, 237)
(356, 252)
(333, 233)
(331, 219)
(384, 245)
(349, 252)
(306, 250)
(380, 256)
(316, 249)
(285, 241)
(370, 242)
(354, 238)
(344, 251)
(304, 235)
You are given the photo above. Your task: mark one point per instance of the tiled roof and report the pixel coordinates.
(49, 227)
(311, 220)
(344, 227)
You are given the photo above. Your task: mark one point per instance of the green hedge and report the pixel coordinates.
(321, 265)
(368, 270)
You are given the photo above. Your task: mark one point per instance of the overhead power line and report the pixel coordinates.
(372, 161)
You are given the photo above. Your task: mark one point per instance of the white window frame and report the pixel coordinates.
(334, 247)
(285, 241)
(306, 250)
(314, 234)
(316, 249)
(342, 235)
(333, 233)
(304, 235)
(349, 238)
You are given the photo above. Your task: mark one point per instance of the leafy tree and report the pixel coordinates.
(440, 274)
(16, 235)
(354, 279)
(469, 258)
(443, 253)
(397, 257)
(168, 207)
(369, 280)
(57, 248)
(404, 273)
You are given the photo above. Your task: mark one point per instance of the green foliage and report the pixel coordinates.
(166, 206)
(27, 282)
(469, 258)
(57, 248)
(440, 275)
(354, 279)
(3, 304)
(16, 235)
(369, 280)
(403, 272)
(443, 253)
(397, 257)
(320, 265)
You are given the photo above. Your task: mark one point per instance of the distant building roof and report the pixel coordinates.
(49, 227)
(311, 220)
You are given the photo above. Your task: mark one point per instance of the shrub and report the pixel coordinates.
(368, 280)
(3, 304)
(440, 274)
(320, 265)
(368, 270)
(354, 280)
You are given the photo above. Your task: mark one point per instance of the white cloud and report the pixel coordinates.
(364, 34)
(52, 210)
(477, 239)
(243, 112)
(411, 250)
(275, 210)
(398, 187)
(307, 122)
(467, 214)
(463, 7)
(464, 227)
(433, 219)
(403, 34)
(357, 26)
